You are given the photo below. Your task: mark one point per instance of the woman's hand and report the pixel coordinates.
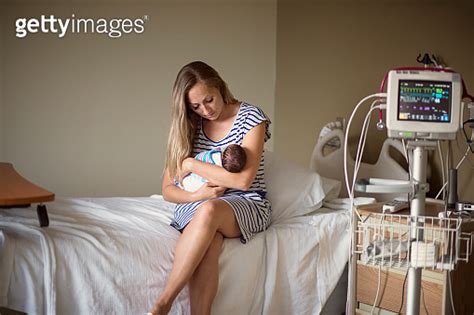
(186, 169)
(209, 191)
(253, 144)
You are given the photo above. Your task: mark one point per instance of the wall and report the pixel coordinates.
(1, 80)
(330, 54)
(89, 116)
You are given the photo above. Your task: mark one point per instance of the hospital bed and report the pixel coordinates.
(113, 255)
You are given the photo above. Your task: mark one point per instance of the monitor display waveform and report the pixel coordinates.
(424, 101)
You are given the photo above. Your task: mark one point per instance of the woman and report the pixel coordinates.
(205, 115)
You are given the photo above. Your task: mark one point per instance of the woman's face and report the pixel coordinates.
(205, 101)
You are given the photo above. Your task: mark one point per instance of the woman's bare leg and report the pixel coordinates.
(211, 217)
(203, 283)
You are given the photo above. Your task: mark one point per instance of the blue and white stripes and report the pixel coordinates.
(251, 209)
(248, 117)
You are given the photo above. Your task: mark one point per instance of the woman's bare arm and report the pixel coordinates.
(253, 143)
(172, 193)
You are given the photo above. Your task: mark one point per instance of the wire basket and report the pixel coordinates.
(403, 241)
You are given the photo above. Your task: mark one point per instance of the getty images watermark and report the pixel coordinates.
(114, 28)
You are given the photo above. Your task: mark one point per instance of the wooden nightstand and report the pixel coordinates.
(16, 191)
(435, 296)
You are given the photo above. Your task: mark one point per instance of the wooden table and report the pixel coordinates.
(16, 191)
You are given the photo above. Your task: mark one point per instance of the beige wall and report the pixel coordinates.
(88, 116)
(330, 54)
(2, 125)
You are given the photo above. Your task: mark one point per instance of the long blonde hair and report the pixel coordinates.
(184, 121)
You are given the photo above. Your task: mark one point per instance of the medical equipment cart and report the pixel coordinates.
(385, 251)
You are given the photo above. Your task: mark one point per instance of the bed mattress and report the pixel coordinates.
(113, 255)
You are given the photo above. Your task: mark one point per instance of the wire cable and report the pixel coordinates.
(448, 163)
(457, 167)
(423, 297)
(471, 164)
(464, 158)
(349, 304)
(382, 218)
(360, 149)
(441, 163)
(361, 145)
(346, 176)
(378, 290)
(451, 292)
(403, 292)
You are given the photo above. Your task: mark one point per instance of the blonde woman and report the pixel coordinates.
(206, 116)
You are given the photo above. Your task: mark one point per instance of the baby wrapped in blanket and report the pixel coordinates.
(232, 159)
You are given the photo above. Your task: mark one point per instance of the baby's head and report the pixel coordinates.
(234, 158)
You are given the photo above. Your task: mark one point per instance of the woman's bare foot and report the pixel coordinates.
(160, 308)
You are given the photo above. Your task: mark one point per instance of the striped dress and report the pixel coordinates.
(252, 210)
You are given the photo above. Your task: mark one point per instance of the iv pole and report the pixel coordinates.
(418, 187)
(417, 208)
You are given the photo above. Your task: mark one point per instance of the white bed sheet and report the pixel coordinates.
(112, 256)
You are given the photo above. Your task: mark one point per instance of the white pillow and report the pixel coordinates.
(294, 190)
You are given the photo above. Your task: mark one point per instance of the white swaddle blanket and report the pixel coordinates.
(193, 181)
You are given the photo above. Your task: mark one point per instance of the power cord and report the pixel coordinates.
(362, 141)
(451, 292)
(440, 151)
(423, 297)
(403, 291)
(466, 153)
(378, 290)
(351, 290)
(461, 161)
(468, 139)
(449, 162)
(471, 164)
(358, 161)
(346, 175)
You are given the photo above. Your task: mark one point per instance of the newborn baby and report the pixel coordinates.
(232, 159)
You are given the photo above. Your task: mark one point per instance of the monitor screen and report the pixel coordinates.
(422, 100)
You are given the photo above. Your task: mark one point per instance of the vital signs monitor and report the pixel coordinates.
(423, 104)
